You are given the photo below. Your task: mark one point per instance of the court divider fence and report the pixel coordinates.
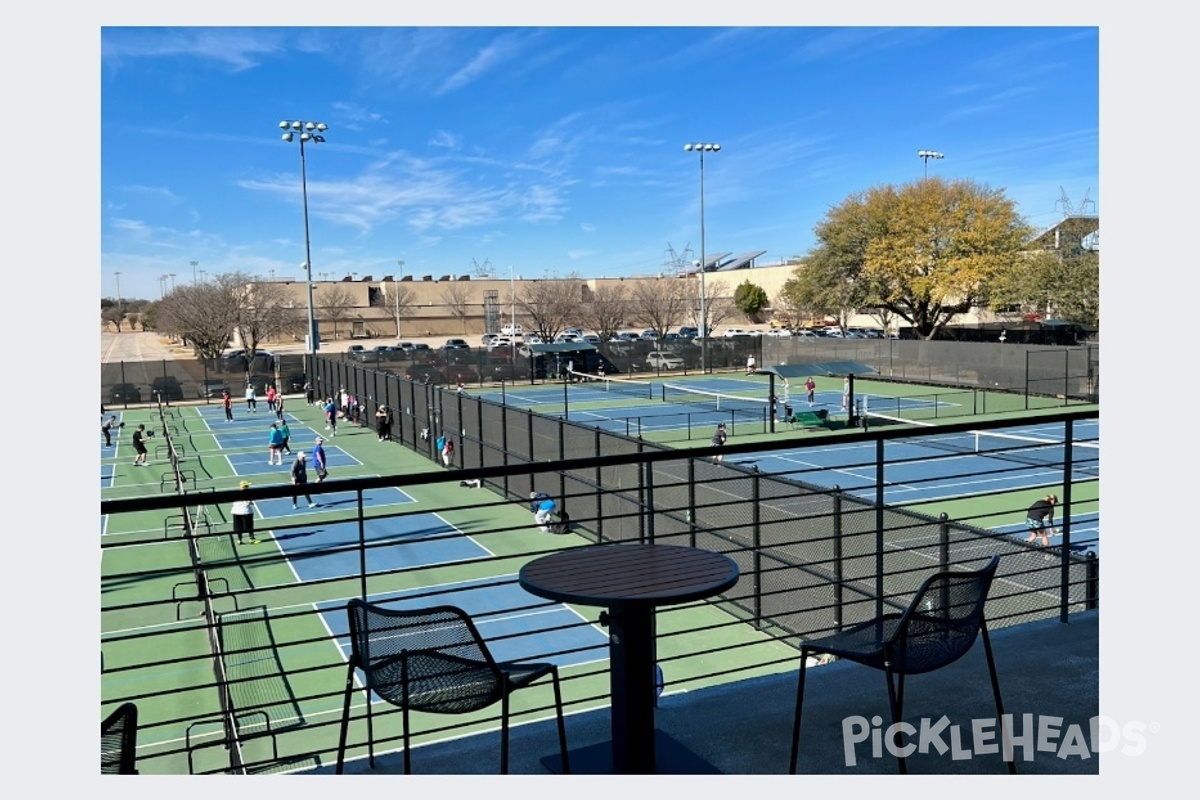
(812, 559)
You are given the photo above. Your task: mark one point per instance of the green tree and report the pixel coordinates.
(1046, 283)
(925, 251)
(751, 300)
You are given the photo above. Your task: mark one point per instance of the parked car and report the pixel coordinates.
(405, 349)
(212, 387)
(235, 361)
(456, 344)
(166, 388)
(487, 338)
(125, 393)
(688, 332)
(779, 332)
(806, 334)
(425, 373)
(650, 336)
(460, 373)
(574, 332)
(657, 359)
(354, 349)
(567, 338)
(732, 332)
(500, 342)
(592, 339)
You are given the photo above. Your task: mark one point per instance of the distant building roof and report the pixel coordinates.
(1067, 234)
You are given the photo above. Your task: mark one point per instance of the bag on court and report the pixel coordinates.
(562, 524)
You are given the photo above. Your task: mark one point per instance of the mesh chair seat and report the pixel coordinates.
(118, 741)
(939, 627)
(921, 645)
(433, 660)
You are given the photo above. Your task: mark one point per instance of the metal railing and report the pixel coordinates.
(812, 558)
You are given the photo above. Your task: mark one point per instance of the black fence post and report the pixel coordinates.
(839, 571)
(1092, 582)
(943, 540)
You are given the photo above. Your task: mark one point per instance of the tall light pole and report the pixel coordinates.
(162, 286)
(512, 290)
(702, 148)
(309, 132)
(925, 155)
(194, 265)
(172, 277)
(120, 304)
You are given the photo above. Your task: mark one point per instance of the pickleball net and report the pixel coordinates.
(627, 387)
(228, 720)
(1036, 451)
(720, 401)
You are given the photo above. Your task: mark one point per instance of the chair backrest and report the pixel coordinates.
(943, 620)
(118, 741)
(429, 659)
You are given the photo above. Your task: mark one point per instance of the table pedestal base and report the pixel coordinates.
(672, 758)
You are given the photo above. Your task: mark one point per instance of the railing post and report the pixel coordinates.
(943, 540)
(1091, 582)
(838, 570)
(756, 553)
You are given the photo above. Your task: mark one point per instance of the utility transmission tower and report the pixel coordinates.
(678, 263)
(483, 270)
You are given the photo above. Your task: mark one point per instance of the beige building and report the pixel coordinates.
(465, 305)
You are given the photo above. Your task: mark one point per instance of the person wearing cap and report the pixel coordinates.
(243, 516)
(318, 457)
(1040, 520)
(718, 440)
(300, 479)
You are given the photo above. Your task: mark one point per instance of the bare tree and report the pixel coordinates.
(265, 310)
(113, 315)
(718, 305)
(335, 304)
(455, 297)
(605, 309)
(551, 304)
(398, 300)
(660, 304)
(204, 314)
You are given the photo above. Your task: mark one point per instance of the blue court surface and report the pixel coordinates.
(255, 463)
(413, 540)
(523, 635)
(372, 498)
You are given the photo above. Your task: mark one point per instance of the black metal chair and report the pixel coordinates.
(433, 660)
(118, 741)
(939, 627)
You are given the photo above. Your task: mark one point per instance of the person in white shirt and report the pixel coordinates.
(243, 516)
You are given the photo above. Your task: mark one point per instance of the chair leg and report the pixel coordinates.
(407, 743)
(562, 726)
(896, 701)
(341, 756)
(504, 733)
(1004, 739)
(799, 706)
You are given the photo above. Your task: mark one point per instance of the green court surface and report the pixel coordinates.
(281, 658)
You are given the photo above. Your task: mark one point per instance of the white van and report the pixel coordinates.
(512, 330)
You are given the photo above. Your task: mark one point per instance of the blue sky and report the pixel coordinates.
(560, 150)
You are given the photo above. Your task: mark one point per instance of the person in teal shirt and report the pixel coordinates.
(275, 445)
(286, 432)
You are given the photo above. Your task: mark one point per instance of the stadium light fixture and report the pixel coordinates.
(306, 132)
(702, 148)
(925, 155)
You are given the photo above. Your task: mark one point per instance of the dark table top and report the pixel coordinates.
(615, 575)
